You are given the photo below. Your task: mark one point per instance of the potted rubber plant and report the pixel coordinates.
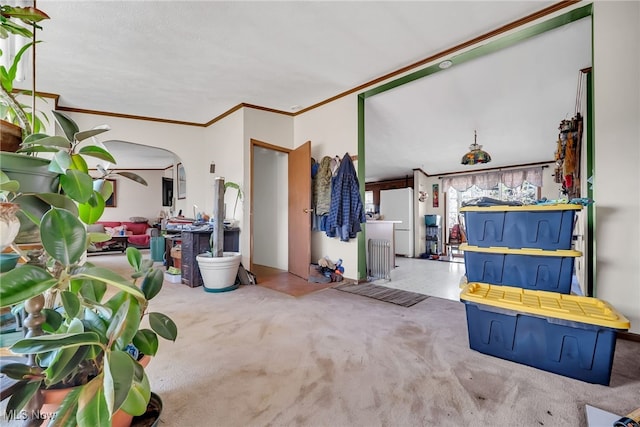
(86, 322)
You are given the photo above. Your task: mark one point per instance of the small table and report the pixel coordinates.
(122, 240)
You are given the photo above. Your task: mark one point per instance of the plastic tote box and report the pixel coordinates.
(525, 268)
(569, 335)
(535, 226)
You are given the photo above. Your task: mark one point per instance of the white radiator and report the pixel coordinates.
(380, 259)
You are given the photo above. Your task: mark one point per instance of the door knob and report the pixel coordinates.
(307, 210)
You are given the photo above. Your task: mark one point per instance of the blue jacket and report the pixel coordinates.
(346, 212)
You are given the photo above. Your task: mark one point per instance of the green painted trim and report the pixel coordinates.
(218, 290)
(362, 244)
(591, 169)
(485, 49)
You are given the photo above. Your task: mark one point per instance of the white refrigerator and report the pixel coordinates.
(397, 205)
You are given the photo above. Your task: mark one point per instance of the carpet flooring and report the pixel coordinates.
(394, 296)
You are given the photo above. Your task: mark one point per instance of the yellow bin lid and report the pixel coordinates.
(525, 208)
(549, 304)
(520, 251)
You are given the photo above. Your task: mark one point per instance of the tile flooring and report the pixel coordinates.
(434, 278)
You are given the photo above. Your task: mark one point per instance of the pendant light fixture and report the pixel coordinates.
(476, 154)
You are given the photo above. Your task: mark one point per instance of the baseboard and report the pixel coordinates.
(629, 336)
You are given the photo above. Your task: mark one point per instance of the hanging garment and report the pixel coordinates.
(347, 211)
(321, 196)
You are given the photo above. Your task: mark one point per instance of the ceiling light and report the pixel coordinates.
(476, 154)
(445, 64)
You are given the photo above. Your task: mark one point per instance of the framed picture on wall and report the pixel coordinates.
(111, 202)
(182, 182)
(435, 195)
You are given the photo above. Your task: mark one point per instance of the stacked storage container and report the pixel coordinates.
(519, 266)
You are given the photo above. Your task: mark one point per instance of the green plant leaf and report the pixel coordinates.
(63, 236)
(71, 303)
(118, 378)
(20, 371)
(104, 187)
(77, 185)
(152, 283)
(134, 177)
(35, 137)
(124, 323)
(97, 152)
(23, 392)
(60, 162)
(139, 393)
(93, 290)
(53, 320)
(27, 14)
(10, 186)
(82, 135)
(146, 341)
(134, 256)
(163, 326)
(66, 414)
(98, 237)
(109, 277)
(64, 363)
(92, 407)
(92, 210)
(59, 201)
(45, 343)
(24, 282)
(69, 127)
(37, 149)
(93, 322)
(10, 76)
(79, 163)
(47, 141)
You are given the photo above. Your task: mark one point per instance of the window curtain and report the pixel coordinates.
(486, 181)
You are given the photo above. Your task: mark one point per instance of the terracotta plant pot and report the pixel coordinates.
(53, 399)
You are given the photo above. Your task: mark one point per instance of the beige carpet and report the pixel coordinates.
(256, 357)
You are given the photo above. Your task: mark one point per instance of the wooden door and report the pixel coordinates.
(300, 210)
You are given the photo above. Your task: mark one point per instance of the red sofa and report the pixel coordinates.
(139, 233)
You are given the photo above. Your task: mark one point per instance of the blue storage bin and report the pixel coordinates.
(525, 268)
(547, 227)
(568, 335)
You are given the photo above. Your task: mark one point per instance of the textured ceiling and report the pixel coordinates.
(192, 61)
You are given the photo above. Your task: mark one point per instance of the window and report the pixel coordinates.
(525, 193)
(369, 207)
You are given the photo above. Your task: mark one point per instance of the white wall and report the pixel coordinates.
(332, 130)
(270, 208)
(274, 129)
(617, 156)
(133, 199)
(185, 141)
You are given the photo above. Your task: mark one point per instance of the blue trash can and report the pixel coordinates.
(157, 249)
